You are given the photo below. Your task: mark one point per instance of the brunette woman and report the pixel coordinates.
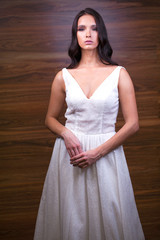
(88, 193)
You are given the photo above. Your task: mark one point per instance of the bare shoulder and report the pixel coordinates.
(58, 81)
(59, 77)
(125, 83)
(108, 69)
(124, 77)
(123, 72)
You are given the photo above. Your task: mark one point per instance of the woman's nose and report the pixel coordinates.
(88, 33)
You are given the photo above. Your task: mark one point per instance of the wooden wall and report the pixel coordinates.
(34, 38)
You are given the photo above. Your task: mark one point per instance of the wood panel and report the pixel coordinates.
(34, 39)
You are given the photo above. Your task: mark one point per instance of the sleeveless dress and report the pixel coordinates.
(95, 203)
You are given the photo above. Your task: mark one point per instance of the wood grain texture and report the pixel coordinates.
(34, 39)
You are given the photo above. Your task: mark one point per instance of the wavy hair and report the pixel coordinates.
(104, 48)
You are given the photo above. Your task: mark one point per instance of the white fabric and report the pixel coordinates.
(96, 203)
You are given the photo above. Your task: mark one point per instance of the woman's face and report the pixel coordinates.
(87, 34)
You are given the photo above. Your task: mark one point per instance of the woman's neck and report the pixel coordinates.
(89, 58)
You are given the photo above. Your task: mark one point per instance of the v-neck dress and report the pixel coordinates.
(95, 203)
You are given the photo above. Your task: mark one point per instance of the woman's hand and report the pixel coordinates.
(85, 159)
(72, 143)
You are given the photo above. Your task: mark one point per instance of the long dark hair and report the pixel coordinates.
(104, 48)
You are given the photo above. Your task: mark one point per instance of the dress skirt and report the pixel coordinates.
(95, 203)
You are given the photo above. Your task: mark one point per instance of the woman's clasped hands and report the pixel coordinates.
(79, 158)
(85, 159)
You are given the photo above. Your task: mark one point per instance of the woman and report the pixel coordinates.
(87, 193)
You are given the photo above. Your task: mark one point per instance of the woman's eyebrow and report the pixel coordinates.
(93, 25)
(81, 25)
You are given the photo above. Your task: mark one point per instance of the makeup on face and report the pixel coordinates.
(87, 34)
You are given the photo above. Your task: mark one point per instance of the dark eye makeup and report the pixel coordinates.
(94, 28)
(81, 28)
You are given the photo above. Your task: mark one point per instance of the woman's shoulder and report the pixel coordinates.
(58, 79)
(124, 77)
(59, 76)
(122, 67)
(116, 66)
(123, 70)
(112, 68)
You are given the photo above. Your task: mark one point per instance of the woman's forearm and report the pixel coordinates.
(118, 139)
(72, 143)
(55, 126)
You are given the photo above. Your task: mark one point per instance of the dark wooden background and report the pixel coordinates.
(34, 38)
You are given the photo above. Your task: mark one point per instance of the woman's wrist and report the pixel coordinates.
(64, 132)
(101, 151)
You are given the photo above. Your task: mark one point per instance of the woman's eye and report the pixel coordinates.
(94, 29)
(80, 29)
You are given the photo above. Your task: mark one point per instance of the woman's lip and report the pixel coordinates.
(88, 41)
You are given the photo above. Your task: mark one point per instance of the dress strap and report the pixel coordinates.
(64, 75)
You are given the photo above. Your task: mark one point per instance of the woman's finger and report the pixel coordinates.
(76, 151)
(72, 154)
(79, 148)
(84, 165)
(76, 157)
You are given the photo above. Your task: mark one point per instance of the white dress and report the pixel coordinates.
(95, 203)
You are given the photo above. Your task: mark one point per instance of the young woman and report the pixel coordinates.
(87, 193)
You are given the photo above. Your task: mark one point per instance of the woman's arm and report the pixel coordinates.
(56, 104)
(129, 110)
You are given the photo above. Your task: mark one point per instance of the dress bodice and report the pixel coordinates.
(94, 115)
